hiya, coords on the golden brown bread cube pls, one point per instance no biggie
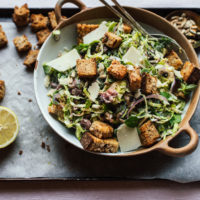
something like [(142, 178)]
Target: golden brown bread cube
[(84, 29), (2, 89), (135, 79), (92, 143), (149, 84), (31, 58), (127, 28), (190, 73), (174, 60), (21, 15), (148, 134), (3, 38), (117, 70), (42, 36), (56, 111), (22, 44), (52, 19), (39, 22), (86, 68), (111, 40), (101, 129)]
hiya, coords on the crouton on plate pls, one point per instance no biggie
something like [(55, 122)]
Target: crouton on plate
[(2, 89), (149, 84), (111, 40), (3, 38), (127, 28), (42, 36), (174, 60), (56, 111), (21, 15), (22, 44), (39, 22), (135, 79), (117, 70), (31, 58), (86, 68), (148, 134), (101, 129), (190, 73), (92, 143)]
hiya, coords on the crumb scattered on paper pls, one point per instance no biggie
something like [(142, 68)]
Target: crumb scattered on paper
[(20, 152), (48, 148), (43, 145)]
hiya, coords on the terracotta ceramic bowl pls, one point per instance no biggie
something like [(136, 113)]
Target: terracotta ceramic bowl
[(152, 23)]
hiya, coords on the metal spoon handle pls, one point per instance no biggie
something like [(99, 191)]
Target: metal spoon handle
[(112, 9), (130, 18)]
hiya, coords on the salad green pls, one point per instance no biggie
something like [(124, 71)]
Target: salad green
[(111, 100)]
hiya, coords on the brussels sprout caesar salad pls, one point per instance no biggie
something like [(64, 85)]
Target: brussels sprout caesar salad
[(117, 88)]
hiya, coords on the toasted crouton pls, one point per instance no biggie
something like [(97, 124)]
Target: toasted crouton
[(2, 89), (190, 73), (21, 15), (3, 38), (149, 84), (56, 111), (174, 60), (42, 36), (135, 79), (39, 22), (117, 70), (92, 143), (84, 29), (86, 68), (101, 129), (111, 40), (52, 19), (22, 44), (31, 58), (127, 28), (148, 134)]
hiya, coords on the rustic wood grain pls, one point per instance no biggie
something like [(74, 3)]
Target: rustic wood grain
[(94, 3)]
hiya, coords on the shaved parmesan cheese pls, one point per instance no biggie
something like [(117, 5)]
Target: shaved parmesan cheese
[(128, 138), (94, 91), (47, 81), (178, 74), (51, 92), (65, 62), (133, 56), (64, 81), (97, 34)]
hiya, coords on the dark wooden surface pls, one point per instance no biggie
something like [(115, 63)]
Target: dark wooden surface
[(98, 190)]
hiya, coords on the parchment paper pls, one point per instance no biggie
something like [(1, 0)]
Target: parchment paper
[(65, 160)]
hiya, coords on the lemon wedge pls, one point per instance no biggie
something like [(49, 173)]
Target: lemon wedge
[(9, 126)]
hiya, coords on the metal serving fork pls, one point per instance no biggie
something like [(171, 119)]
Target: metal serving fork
[(128, 19)]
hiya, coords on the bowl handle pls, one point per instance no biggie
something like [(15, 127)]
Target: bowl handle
[(179, 152), (60, 3)]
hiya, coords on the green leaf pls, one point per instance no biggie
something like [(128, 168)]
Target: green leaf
[(47, 69), (132, 121), (79, 131), (165, 94), (186, 89), (176, 119), (82, 48), (88, 103), (145, 70)]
